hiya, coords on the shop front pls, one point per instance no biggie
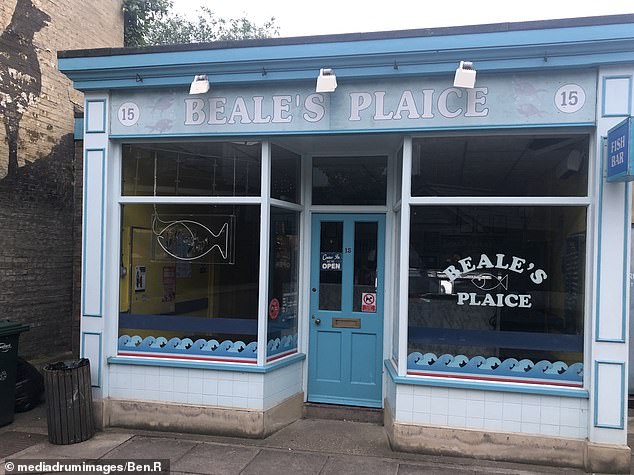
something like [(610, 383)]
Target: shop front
[(451, 255)]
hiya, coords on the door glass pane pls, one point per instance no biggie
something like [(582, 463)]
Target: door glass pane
[(330, 265), (365, 277)]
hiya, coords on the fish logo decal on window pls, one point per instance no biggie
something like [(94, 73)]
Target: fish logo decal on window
[(490, 282)]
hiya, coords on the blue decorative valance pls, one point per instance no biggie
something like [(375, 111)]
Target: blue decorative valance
[(186, 347), (493, 367), (278, 347), (205, 349)]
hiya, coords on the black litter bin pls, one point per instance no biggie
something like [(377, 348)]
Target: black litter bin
[(69, 410), (9, 337)]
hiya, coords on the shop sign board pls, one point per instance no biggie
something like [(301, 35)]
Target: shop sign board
[(620, 153), (410, 103)]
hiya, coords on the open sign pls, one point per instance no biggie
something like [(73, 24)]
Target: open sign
[(330, 261)]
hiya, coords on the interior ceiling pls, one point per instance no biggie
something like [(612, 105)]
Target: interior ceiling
[(318, 145)]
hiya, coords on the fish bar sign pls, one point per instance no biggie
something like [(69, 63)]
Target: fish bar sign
[(619, 153), (490, 274)]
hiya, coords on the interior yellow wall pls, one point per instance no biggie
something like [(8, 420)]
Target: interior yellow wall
[(136, 250)]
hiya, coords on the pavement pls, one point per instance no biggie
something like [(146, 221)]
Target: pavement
[(308, 446)]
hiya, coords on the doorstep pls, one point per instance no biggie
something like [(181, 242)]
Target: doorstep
[(342, 413)]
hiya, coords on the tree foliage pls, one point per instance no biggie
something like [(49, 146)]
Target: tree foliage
[(140, 17), (152, 22)]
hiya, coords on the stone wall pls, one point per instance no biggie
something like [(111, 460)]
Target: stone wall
[(38, 164)]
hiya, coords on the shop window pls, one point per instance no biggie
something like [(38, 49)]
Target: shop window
[(285, 175), (497, 293), (504, 165), (189, 282), (192, 169), (283, 283), (349, 180)]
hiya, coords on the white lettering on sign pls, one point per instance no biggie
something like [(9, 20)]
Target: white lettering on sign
[(501, 261), (617, 154), (4, 347), (488, 281), (419, 105), (449, 103), (330, 266), (497, 300)]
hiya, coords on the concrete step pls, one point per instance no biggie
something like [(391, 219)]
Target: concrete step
[(343, 413)]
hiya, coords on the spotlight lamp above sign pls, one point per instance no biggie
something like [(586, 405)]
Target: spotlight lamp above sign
[(465, 75), (200, 84), (326, 81), (619, 152)]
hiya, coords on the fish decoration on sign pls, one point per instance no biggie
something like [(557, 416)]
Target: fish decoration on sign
[(488, 282)]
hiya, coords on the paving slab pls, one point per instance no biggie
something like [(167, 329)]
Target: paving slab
[(151, 448), (215, 459), (328, 436), (94, 448), (357, 465), (33, 421), (406, 469), (12, 442), (278, 462)]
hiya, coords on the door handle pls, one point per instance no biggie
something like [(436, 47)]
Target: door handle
[(316, 320)]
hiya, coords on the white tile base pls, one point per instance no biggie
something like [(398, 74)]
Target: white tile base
[(494, 411)]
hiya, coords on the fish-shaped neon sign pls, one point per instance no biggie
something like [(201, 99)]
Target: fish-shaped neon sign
[(188, 240)]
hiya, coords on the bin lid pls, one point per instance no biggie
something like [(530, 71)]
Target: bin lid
[(11, 328)]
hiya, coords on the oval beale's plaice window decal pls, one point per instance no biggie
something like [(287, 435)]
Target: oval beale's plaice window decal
[(490, 274)]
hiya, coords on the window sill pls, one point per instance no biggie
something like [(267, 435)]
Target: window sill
[(242, 368), (485, 385)]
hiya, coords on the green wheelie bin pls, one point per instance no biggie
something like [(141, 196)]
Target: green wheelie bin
[(9, 338)]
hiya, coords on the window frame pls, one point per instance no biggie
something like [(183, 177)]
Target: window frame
[(407, 201), (264, 200)]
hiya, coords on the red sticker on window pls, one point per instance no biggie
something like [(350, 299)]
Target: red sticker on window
[(274, 309)]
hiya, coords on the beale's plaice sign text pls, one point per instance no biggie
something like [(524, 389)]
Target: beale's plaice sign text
[(406, 103), (485, 273)]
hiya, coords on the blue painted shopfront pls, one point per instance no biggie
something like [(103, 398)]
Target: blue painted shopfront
[(451, 255)]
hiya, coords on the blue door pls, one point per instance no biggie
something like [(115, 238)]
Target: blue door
[(346, 319)]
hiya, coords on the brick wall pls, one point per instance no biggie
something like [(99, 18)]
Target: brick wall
[(38, 164)]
